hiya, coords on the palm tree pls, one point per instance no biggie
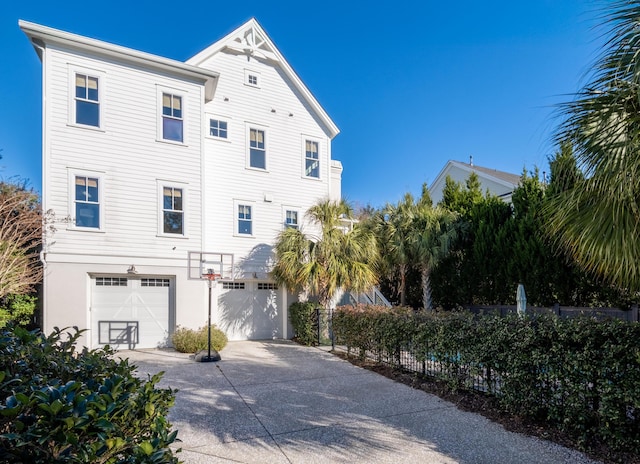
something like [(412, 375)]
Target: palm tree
[(395, 237), (341, 256), (434, 229), (597, 220)]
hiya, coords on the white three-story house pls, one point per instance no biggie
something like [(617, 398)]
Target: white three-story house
[(145, 158)]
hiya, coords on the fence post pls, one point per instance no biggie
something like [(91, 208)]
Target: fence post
[(556, 309), (634, 313), (318, 323)]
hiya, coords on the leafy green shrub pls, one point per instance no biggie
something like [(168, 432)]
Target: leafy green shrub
[(581, 375), (191, 341), (60, 405), (304, 319), (18, 309)]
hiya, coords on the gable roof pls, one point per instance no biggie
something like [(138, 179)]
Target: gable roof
[(507, 180), (250, 39), (501, 177), (41, 35)]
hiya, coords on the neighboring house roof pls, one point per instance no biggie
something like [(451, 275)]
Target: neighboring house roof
[(499, 183), (251, 40), (41, 35)]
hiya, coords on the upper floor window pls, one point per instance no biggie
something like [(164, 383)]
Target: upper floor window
[(257, 149), (218, 128), (172, 117), (87, 100), (245, 220), (172, 211), (87, 201), (311, 159), (251, 78), (291, 219)]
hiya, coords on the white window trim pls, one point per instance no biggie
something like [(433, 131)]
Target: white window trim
[(251, 72), (207, 126), (265, 129), (159, 132), (73, 70), (286, 208), (72, 199), (161, 184), (303, 150), (236, 204)]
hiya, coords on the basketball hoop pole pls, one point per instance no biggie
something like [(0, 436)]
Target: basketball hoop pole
[(200, 357)]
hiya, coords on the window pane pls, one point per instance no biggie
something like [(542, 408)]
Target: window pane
[(87, 113), (88, 215), (92, 93), (92, 190), (167, 198), (257, 159), (81, 86), (81, 188), (173, 222), (244, 227), (312, 168), (177, 199), (172, 129)]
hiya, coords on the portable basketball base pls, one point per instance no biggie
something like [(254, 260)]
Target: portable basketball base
[(212, 267)]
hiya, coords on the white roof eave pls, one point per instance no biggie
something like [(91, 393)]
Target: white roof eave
[(51, 35)]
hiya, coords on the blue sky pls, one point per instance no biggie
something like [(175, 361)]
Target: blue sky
[(410, 84)]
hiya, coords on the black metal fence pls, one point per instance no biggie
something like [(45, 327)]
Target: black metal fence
[(630, 315)]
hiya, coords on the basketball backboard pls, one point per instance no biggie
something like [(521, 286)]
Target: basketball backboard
[(203, 264)]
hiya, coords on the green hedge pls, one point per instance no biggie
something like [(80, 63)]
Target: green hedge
[(304, 319), (580, 375), (62, 405)]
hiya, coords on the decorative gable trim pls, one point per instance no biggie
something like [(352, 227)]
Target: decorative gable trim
[(251, 40)]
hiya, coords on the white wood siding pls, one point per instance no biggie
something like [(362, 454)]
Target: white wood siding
[(282, 184), (126, 153)]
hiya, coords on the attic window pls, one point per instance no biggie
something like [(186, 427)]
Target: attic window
[(251, 78)]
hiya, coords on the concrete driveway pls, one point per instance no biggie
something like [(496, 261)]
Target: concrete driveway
[(278, 402)]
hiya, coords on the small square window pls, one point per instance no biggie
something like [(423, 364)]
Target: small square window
[(172, 211), (245, 221), (218, 128), (252, 78), (172, 117)]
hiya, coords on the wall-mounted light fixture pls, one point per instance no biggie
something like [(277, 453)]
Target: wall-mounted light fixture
[(132, 270)]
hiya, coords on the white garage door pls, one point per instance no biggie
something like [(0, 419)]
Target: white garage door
[(250, 310), (131, 312)]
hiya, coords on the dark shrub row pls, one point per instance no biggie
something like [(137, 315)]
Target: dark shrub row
[(580, 375), (62, 405)]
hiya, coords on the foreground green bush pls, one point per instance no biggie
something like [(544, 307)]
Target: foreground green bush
[(191, 341), (62, 405), (304, 320), (17, 309), (580, 375)]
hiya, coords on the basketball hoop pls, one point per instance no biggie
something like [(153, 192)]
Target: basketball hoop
[(212, 276)]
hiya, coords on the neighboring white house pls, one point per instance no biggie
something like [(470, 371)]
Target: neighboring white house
[(499, 183), (149, 158)]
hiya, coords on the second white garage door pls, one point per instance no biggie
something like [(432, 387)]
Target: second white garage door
[(250, 310), (131, 312)]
